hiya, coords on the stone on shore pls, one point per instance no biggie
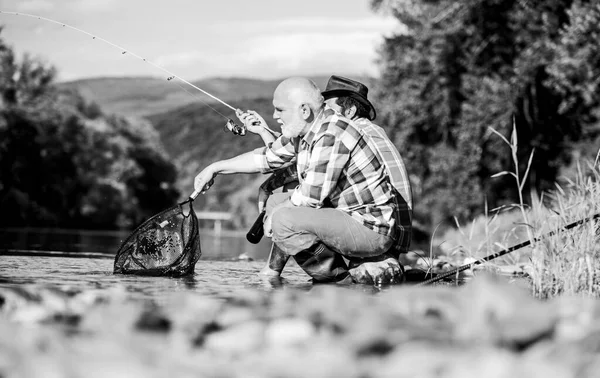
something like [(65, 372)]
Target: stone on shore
[(486, 328)]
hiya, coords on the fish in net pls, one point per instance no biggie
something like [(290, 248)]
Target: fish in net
[(168, 244)]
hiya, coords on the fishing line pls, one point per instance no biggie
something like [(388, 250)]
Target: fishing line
[(125, 51)]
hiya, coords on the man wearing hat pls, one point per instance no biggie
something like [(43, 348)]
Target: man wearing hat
[(349, 97), (344, 205)]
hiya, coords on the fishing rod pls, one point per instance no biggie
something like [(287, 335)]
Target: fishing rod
[(230, 125), (506, 251)]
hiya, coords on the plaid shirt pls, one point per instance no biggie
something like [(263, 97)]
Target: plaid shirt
[(398, 177), (337, 167)]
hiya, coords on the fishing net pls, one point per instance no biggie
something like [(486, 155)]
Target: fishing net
[(168, 244)]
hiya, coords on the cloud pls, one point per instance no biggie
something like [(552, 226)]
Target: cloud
[(85, 6), (329, 25), (274, 56), (305, 51), (179, 59), (93, 6), (265, 49), (39, 30), (32, 6), (301, 46)]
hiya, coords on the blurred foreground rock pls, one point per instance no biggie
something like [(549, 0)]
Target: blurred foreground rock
[(486, 328)]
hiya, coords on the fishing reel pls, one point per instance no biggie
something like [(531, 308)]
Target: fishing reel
[(235, 128)]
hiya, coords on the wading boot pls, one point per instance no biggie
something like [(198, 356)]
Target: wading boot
[(377, 270), (322, 264)]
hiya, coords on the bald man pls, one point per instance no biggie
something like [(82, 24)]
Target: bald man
[(343, 205)]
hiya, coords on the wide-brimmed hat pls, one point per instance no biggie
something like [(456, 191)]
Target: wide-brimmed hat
[(339, 86)]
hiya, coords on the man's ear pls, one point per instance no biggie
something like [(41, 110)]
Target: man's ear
[(306, 111), (350, 112)]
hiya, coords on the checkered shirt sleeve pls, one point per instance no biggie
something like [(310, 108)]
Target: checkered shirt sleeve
[(279, 154)]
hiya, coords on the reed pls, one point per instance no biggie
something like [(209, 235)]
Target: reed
[(501, 227), (519, 181), (569, 262), (565, 263)]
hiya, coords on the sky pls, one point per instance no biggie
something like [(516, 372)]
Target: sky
[(197, 39)]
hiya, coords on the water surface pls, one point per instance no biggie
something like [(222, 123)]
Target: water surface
[(212, 277), (77, 260), (83, 260)]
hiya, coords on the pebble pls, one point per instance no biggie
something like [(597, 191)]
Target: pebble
[(487, 327)]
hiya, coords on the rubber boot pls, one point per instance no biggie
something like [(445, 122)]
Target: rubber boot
[(364, 277), (277, 259), (322, 264)]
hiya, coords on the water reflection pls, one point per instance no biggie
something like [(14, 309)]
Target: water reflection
[(219, 273), (226, 245), (213, 278), (44, 257)]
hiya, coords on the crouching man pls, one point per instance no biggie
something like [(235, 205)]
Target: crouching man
[(344, 207)]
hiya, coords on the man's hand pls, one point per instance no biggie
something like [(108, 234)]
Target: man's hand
[(263, 196), (378, 273), (252, 120), (267, 225), (205, 179)]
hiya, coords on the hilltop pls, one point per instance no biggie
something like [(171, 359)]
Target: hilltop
[(144, 96)]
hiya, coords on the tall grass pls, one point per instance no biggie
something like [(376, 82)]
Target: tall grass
[(505, 227), (569, 262), (519, 181), (565, 263)]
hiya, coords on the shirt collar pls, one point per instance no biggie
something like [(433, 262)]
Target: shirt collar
[(315, 126)]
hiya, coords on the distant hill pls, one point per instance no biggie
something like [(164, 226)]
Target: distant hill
[(193, 134), (143, 96)]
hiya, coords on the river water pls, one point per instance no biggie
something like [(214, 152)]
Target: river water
[(75, 261)]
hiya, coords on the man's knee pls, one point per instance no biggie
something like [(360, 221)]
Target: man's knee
[(282, 223), (275, 199)]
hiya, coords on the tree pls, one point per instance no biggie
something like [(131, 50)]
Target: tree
[(64, 163), (464, 67)]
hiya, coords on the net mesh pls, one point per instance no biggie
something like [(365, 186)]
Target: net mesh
[(168, 244)]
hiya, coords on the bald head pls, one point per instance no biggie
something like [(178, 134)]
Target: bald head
[(297, 101), (300, 90)]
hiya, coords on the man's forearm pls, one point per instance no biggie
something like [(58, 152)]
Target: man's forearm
[(243, 163), (267, 136)]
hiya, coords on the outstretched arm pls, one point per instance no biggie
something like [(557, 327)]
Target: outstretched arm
[(244, 163)]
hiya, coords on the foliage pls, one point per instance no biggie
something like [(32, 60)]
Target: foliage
[(65, 164), (464, 67), (568, 262), (560, 261)]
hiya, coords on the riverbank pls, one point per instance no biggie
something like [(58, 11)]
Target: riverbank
[(486, 328)]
